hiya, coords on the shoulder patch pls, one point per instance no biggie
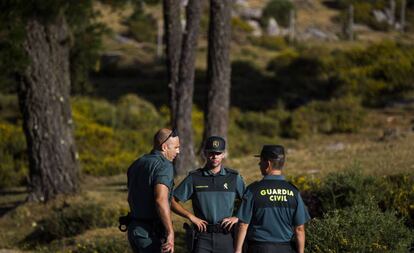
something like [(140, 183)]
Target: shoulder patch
[(231, 171)]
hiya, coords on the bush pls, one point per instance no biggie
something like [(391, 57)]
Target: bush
[(143, 27), (259, 123), (379, 73), (269, 42), (123, 132), (346, 189), (336, 116), (134, 112), (75, 218), (13, 157), (396, 193), (361, 228), (279, 10)]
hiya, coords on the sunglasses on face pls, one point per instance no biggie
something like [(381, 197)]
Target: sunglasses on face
[(174, 133)]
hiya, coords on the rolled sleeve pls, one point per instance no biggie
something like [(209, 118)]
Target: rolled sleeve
[(246, 208), (184, 190), (164, 175), (301, 215)]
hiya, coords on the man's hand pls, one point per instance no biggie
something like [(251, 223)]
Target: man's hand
[(199, 223), (229, 222), (168, 246)]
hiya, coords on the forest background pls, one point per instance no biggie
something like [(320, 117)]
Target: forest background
[(341, 102)]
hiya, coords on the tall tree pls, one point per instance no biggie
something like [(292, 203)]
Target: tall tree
[(44, 88), (181, 79), (219, 69), (173, 37)]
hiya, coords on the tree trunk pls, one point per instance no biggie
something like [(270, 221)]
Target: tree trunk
[(185, 87), (44, 90), (402, 15), (350, 27), (219, 70), (173, 36)]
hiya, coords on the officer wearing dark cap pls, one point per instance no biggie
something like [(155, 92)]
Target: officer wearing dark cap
[(272, 212), (213, 190)]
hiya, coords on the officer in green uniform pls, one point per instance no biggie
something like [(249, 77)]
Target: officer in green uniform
[(272, 212), (213, 190), (150, 185)]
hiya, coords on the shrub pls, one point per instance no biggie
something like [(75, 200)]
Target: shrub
[(97, 110), (346, 189), (279, 10), (336, 116), (143, 27), (74, 218), (14, 164), (269, 42), (259, 123), (284, 59), (361, 228), (378, 73), (396, 193), (134, 112)]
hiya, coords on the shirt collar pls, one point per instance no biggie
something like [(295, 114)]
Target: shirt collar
[(274, 177), (159, 153), (207, 172)]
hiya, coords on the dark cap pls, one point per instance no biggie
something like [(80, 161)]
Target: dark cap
[(215, 144), (272, 152)]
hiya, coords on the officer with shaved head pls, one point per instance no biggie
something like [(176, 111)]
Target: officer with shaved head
[(150, 186)]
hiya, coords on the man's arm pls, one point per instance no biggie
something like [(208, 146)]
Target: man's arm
[(163, 208), (180, 210), (300, 238), (241, 234)]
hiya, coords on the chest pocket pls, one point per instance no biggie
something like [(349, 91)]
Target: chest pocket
[(226, 183)]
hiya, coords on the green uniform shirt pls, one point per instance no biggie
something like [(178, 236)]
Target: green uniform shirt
[(272, 207), (143, 175), (212, 195)]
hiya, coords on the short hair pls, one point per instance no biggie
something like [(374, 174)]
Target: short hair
[(277, 164), (161, 137)]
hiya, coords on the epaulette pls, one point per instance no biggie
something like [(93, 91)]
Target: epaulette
[(232, 171)]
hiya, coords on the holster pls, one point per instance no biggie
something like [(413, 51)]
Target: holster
[(190, 236), (124, 221)]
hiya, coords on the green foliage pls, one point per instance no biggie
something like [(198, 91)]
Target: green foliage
[(134, 112), (123, 131), (361, 228), (380, 73), (279, 10), (396, 192), (142, 26), (269, 42), (13, 166), (74, 218), (9, 108), (103, 244), (284, 59), (240, 30), (336, 116), (265, 124), (345, 189)]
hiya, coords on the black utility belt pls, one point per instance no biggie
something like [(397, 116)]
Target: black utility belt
[(215, 228), (250, 242)]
